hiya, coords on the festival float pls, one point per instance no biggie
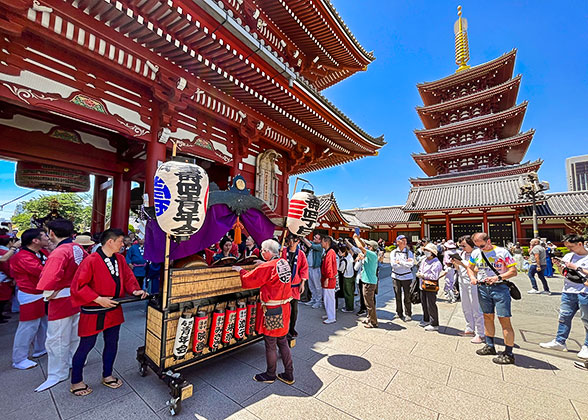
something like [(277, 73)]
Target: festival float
[(202, 310)]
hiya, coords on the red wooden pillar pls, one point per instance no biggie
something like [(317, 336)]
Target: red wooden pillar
[(423, 221), (121, 203), (285, 192), (156, 152), (447, 227), (98, 204), (485, 226), (519, 228)]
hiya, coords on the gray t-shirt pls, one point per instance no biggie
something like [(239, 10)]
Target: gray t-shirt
[(538, 249)]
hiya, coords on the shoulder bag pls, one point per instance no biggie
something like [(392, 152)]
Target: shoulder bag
[(515, 293)]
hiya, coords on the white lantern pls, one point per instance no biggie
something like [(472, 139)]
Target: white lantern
[(180, 195), (183, 334), (302, 213)]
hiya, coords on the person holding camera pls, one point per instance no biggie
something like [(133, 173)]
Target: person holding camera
[(574, 297)]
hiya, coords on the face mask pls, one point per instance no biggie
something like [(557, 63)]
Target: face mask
[(428, 253)]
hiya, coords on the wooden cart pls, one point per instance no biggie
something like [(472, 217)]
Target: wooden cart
[(188, 290)]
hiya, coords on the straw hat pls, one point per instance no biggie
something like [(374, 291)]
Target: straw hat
[(83, 240), (432, 248), (450, 244)]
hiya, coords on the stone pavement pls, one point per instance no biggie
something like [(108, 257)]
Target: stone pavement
[(343, 371)]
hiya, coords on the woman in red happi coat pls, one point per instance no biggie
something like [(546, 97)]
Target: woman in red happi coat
[(102, 276), (329, 274), (275, 293)]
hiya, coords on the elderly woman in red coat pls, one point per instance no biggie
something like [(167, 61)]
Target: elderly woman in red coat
[(273, 277)]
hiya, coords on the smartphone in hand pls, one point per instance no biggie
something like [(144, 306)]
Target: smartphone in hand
[(357, 231)]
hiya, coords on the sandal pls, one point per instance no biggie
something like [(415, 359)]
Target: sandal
[(114, 384), (81, 392), (368, 325)]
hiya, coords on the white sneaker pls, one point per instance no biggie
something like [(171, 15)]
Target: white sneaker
[(431, 328), (406, 318), (346, 310), (583, 354), (554, 345), (25, 364), (533, 292), (546, 292), (423, 324), (41, 354), (329, 321)]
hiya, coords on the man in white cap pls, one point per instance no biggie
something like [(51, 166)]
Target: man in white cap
[(402, 261)]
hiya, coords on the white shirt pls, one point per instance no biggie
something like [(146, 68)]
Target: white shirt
[(401, 266), (580, 261), (346, 266)]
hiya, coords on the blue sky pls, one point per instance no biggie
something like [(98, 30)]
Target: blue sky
[(413, 42)]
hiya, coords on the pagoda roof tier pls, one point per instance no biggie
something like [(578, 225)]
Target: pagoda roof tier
[(477, 174), (502, 69), (320, 32), (223, 62), (479, 193), (505, 93), (510, 122), (517, 148)]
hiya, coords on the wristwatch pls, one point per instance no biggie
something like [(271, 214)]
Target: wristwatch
[(499, 277)]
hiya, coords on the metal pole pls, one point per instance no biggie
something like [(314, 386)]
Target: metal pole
[(535, 227), (167, 247)]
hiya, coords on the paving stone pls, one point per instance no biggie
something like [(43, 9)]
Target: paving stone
[(365, 402), (129, 406), (280, 401), (38, 410), (437, 397), (18, 389)]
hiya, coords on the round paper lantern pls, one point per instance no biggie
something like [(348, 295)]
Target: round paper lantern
[(40, 176), (180, 195), (302, 213)]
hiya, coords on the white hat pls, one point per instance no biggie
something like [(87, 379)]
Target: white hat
[(432, 248), (450, 244)]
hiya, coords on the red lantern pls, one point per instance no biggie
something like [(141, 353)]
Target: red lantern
[(200, 332), (251, 315), (216, 328), (229, 324), (302, 213), (240, 321)]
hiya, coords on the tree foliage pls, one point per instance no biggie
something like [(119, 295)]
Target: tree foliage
[(75, 207)]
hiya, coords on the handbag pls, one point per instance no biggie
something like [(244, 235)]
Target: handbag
[(415, 293), (515, 293), (573, 275), (430, 285)]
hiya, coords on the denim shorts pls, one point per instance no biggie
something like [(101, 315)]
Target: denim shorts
[(495, 296)]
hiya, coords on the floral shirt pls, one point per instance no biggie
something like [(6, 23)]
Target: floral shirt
[(499, 257)]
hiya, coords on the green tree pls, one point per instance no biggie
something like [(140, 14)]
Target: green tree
[(74, 207)]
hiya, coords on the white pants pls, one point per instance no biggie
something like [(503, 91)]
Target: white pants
[(314, 284), (29, 332), (449, 283), (329, 301), (62, 342), (519, 260), (471, 308)]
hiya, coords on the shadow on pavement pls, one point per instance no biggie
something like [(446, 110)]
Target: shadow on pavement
[(349, 362)]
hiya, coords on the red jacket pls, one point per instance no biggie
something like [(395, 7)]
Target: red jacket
[(274, 280), (25, 269), (59, 271), (329, 271), (6, 287), (93, 279), (301, 271)]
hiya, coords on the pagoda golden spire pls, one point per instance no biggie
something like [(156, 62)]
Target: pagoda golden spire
[(462, 49)]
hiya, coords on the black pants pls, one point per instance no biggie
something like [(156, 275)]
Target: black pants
[(293, 316), (271, 356), (430, 311), (402, 287)]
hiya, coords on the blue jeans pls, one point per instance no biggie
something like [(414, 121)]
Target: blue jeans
[(541, 274), (495, 297), (570, 303)]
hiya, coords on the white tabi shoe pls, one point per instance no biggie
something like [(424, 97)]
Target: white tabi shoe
[(24, 365)]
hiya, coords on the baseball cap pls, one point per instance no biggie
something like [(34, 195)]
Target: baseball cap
[(399, 237)]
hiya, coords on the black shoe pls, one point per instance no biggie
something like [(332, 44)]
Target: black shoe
[(361, 313), (486, 351), (504, 359), (285, 378), (264, 377)]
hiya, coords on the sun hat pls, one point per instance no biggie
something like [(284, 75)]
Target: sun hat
[(371, 243), (432, 248), (83, 240), (450, 244)]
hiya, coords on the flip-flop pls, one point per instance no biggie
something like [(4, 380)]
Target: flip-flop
[(76, 391), (115, 384), (370, 326)]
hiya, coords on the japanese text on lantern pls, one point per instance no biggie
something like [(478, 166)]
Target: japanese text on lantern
[(185, 331), (161, 196), (308, 217), (189, 201)]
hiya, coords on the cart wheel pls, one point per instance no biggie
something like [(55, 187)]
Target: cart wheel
[(143, 369), (174, 406)]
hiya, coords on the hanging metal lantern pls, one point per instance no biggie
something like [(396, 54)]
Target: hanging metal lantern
[(180, 196), (302, 213)]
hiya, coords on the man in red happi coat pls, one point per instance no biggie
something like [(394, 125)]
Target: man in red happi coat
[(25, 268), (62, 328), (102, 276), (273, 278), (299, 268), (329, 274)]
